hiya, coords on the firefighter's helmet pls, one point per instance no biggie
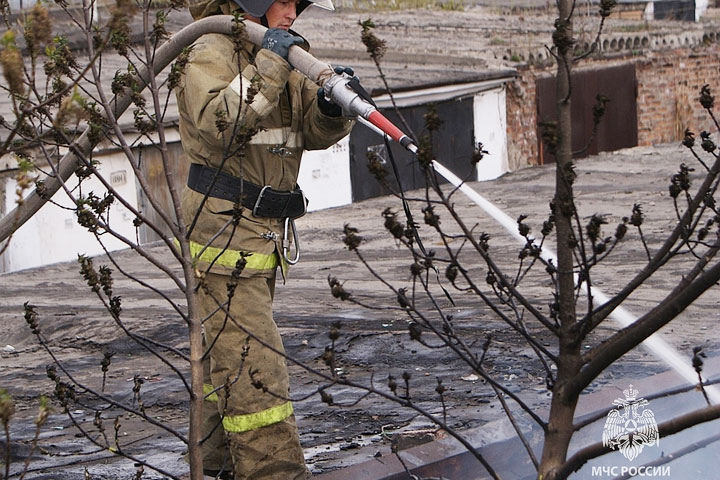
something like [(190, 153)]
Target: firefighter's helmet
[(258, 8)]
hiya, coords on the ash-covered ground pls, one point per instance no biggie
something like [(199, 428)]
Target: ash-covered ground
[(373, 343)]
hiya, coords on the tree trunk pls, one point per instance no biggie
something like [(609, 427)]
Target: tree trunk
[(195, 427), (562, 409)]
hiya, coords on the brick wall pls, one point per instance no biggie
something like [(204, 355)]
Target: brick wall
[(668, 89), (669, 84), (522, 121)]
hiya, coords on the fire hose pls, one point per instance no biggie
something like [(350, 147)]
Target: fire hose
[(355, 101)]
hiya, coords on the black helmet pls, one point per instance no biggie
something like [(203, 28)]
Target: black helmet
[(258, 8)]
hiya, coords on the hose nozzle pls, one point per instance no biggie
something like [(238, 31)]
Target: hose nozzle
[(354, 100)]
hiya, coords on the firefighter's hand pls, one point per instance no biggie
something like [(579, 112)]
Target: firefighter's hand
[(325, 103), (327, 106), (279, 41)]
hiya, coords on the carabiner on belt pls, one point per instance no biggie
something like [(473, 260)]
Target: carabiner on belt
[(290, 223)]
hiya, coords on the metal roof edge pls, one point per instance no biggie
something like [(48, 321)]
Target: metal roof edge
[(356, 55), (411, 98), (505, 74)]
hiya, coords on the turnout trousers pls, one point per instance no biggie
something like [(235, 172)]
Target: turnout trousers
[(248, 418)]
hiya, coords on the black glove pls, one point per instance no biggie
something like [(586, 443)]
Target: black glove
[(326, 106), (279, 41)]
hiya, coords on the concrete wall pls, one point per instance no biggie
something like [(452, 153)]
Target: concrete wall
[(700, 7), (53, 234), (325, 176)]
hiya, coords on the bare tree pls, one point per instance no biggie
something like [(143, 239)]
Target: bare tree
[(61, 112), (576, 309), (61, 116)]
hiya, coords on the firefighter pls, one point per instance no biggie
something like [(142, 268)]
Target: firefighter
[(226, 96)]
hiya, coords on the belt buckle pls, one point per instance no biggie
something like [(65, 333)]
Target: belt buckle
[(259, 199), (280, 151)]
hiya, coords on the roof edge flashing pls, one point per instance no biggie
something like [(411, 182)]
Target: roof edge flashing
[(438, 94)]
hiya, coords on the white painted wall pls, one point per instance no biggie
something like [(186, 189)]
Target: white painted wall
[(53, 235), (325, 176), (490, 119), (700, 7), (649, 13)]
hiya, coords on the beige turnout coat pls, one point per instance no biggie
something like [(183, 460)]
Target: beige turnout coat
[(213, 91)]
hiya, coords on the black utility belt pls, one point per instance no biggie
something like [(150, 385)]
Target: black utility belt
[(263, 201)]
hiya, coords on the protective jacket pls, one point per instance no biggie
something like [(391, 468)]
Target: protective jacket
[(223, 92)]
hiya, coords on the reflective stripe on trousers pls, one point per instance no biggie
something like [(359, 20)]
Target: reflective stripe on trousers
[(254, 421), (250, 421)]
